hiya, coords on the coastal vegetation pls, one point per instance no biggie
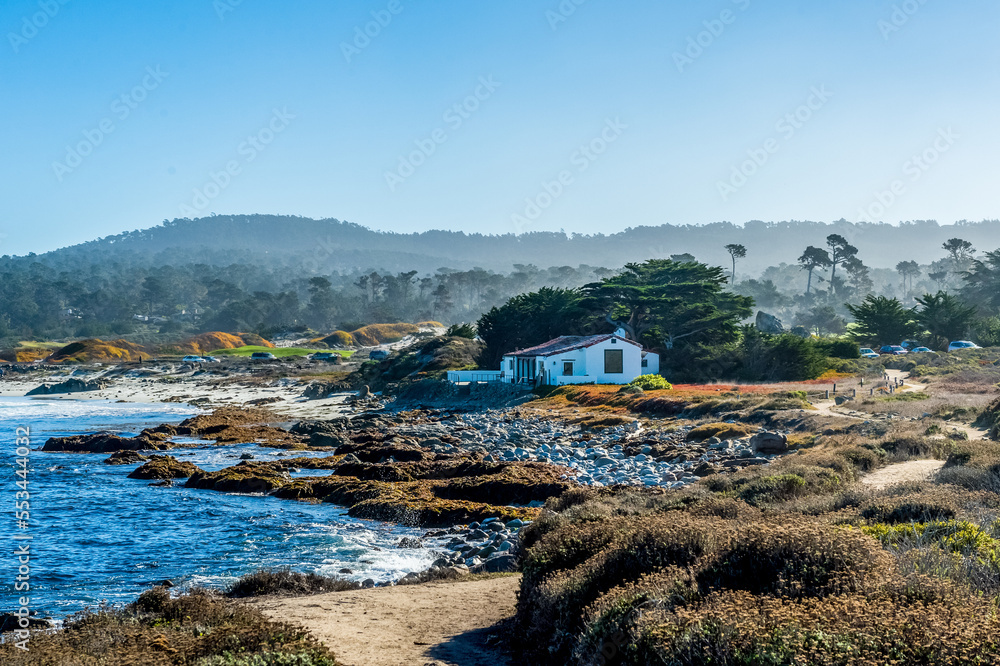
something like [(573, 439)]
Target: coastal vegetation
[(200, 627)]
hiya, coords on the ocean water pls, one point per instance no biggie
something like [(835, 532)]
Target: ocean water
[(97, 536)]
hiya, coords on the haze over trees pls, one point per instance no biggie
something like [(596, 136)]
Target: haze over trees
[(269, 275)]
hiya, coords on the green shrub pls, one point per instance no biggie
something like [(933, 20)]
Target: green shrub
[(651, 383)]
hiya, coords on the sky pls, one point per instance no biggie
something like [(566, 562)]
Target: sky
[(587, 116)]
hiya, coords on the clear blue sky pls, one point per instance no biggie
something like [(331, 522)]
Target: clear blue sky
[(891, 87)]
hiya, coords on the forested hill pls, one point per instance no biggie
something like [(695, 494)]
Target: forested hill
[(323, 246)]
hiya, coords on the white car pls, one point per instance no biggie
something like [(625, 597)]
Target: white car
[(962, 344), (868, 353), (192, 359)]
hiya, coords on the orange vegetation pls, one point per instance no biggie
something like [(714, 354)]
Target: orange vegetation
[(206, 342), (338, 338), (96, 350), (377, 334)]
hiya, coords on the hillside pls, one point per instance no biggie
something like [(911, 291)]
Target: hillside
[(320, 246)]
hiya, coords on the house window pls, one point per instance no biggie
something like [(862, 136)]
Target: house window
[(645, 362), (512, 366), (613, 362), (567, 368)]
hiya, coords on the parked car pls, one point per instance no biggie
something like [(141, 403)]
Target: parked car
[(378, 355), (923, 350), (323, 356), (193, 359), (211, 359), (892, 350), (868, 353), (962, 344), (262, 356)]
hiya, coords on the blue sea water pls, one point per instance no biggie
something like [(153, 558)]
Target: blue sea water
[(98, 536)]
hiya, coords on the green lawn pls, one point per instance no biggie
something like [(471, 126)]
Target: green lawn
[(280, 352)]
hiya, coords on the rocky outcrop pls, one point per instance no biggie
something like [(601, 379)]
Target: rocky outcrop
[(72, 385), (245, 477), (125, 458), (768, 323), (164, 467), (106, 442)]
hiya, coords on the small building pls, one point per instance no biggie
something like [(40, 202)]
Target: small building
[(576, 359)]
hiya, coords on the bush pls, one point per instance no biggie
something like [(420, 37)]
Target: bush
[(651, 383), (287, 583)]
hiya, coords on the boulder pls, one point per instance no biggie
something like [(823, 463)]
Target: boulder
[(769, 442), (768, 323), (841, 399), (331, 439), (801, 331), (164, 467), (410, 542), (72, 385), (497, 564)]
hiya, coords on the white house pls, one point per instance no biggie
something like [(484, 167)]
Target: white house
[(575, 359)]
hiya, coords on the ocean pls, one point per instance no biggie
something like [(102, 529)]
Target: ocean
[(98, 537)]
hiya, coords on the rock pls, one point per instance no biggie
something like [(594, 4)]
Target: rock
[(72, 385), (705, 469), (364, 392), (106, 442), (841, 399), (801, 331), (164, 467), (368, 582), (331, 439), (410, 542), (166, 583), (769, 442), (497, 564), (517, 523), (245, 477), (768, 323), (348, 571), (11, 622), (169, 483), (126, 457), (247, 456)]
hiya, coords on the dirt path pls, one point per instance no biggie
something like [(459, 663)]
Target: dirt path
[(434, 623), (829, 407), (912, 470)]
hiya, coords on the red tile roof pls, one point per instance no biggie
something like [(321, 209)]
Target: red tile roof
[(567, 343)]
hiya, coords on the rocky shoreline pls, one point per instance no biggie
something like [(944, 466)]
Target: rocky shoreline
[(475, 478)]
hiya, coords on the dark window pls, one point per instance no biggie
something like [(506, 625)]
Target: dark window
[(613, 363), (645, 362), (567, 368)]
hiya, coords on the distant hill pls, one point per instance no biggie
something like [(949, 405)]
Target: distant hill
[(317, 247)]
